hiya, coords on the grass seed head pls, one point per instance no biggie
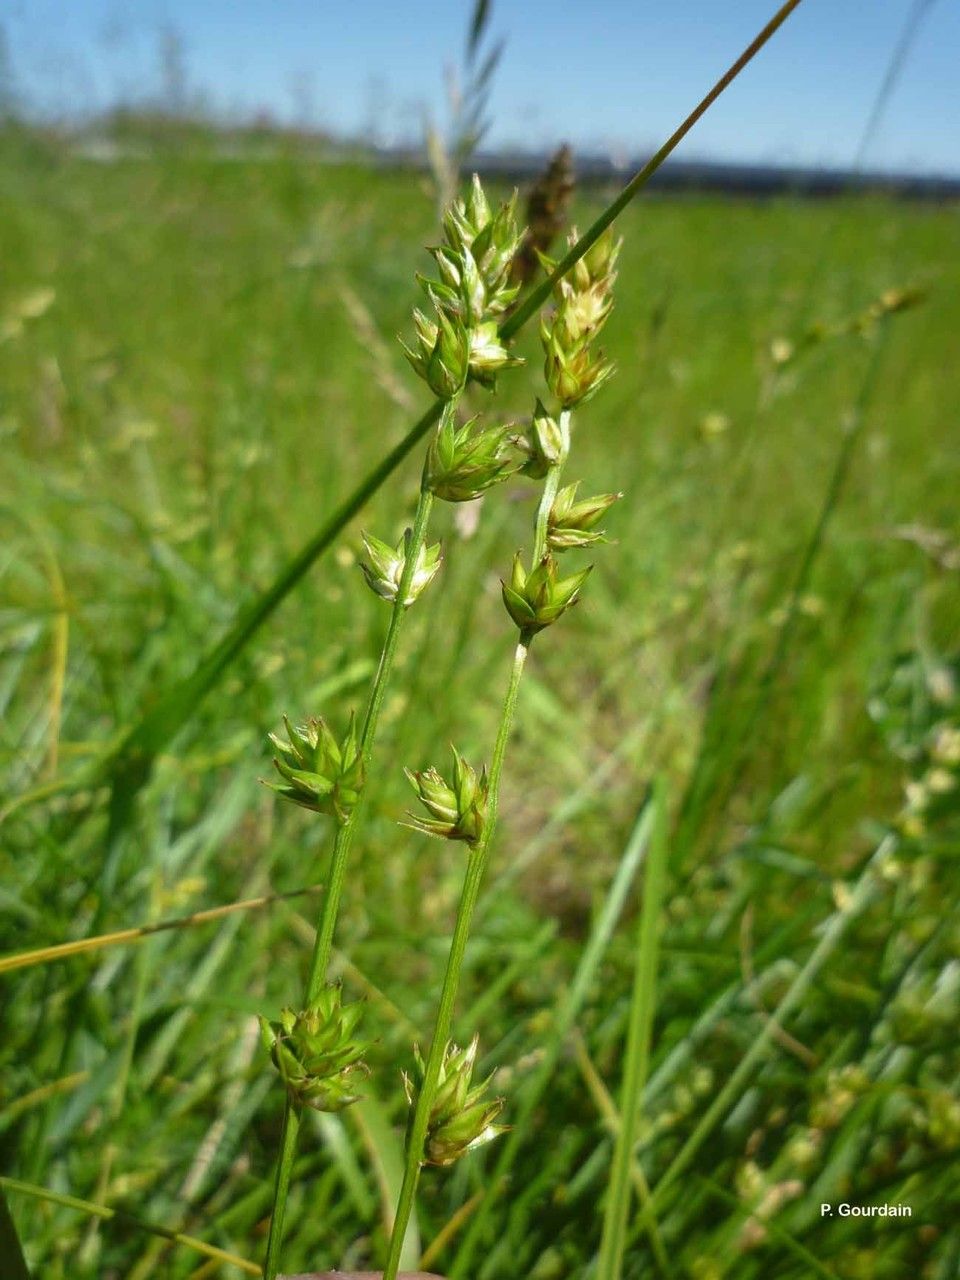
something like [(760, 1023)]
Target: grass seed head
[(384, 566), (473, 288), (457, 809), (463, 462), (572, 524), (536, 600), (571, 371), (317, 771), (461, 1117), (316, 1053), (584, 299)]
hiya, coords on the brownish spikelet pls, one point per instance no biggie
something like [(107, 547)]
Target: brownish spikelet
[(547, 206)]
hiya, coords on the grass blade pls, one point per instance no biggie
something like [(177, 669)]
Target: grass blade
[(640, 1023), (10, 1243), (107, 1214), (862, 895), (82, 946), (385, 1153), (569, 1007)]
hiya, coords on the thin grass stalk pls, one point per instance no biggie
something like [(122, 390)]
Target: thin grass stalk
[(550, 486), (639, 1028), (451, 981), (323, 945), (476, 867), (607, 1109), (10, 1246), (120, 937), (568, 1008), (107, 1214)]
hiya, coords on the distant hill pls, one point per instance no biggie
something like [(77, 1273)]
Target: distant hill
[(705, 175), (122, 134)]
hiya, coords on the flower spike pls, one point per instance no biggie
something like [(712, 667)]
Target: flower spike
[(463, 462), (536, 600), (318, 772), (461, 1119), (384, 567), (571, 372), (457, 810), (571, 523), (472, 290), (315, 1053), (583, 303)]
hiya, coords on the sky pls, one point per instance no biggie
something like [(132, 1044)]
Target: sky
[(611, 75)]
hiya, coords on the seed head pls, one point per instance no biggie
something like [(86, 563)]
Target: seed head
[(318, 772), (487, 355), (473, 288), (318, 1059), (457, 809), (441, 356), (463, 462), (595, 271), (461, 290), (461, 1119), (572, 524), (572, 373), (597, 267), (490, 241), (546, 443), (583, 314), (384, 567), (546, 213), (467, 216), (583, 303), (536, 600)]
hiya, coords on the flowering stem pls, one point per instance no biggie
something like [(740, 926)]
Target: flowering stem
[(451, 980), (476, 866), (323, 944)]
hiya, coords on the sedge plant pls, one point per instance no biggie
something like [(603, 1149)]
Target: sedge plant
[(451, 1116), (315, 1049), (461, 341)]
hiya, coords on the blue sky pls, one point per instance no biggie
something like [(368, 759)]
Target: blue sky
[(609, 73)]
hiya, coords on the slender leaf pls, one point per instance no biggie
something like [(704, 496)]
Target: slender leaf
[(640, 1024)]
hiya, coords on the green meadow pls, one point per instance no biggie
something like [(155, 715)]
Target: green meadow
[(198, 362)]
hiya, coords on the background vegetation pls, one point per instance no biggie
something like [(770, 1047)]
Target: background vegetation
[(197, 361)]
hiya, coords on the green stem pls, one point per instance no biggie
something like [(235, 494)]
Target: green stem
[(451, 981), (476, 867), (323, 944), (550, 486)]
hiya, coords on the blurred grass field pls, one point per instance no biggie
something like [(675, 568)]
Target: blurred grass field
[(197, 361)]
